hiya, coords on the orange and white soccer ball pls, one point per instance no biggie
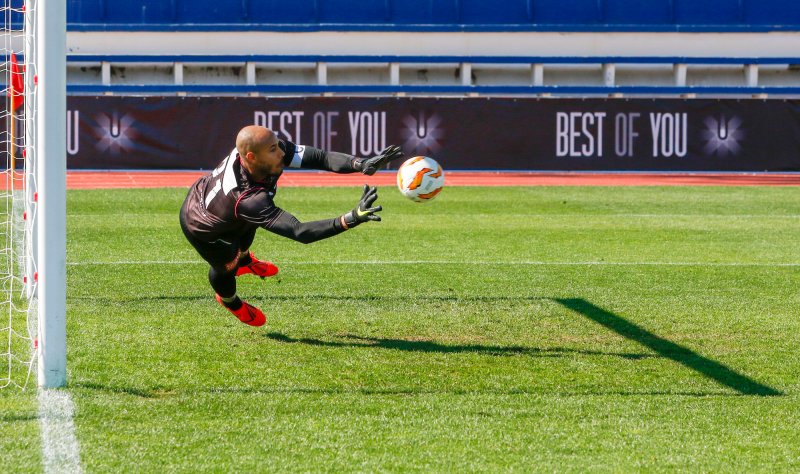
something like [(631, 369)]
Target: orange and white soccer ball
[(420, 178)]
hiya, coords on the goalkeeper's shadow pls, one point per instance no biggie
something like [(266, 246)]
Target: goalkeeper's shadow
[(690, 359), (354, 341)]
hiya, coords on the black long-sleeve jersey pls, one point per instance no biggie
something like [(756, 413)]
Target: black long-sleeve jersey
[(227, 203)]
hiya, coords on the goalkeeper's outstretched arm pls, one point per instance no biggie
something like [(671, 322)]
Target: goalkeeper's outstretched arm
[(314, 158), (276, 220)]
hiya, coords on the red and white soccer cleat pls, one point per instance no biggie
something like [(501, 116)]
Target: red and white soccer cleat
[(247, 314), (258, 267)]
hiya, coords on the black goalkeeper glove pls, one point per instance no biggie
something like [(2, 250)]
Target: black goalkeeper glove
[(364, 211), (369, 166)]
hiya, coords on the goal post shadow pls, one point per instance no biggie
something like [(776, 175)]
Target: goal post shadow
[(670, 350)]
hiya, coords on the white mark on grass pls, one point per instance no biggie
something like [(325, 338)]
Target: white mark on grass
[(59, 444), (626, 216), (170, 215), (461, 262)]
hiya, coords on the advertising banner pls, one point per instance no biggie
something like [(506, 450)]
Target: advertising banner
[(109, 132)]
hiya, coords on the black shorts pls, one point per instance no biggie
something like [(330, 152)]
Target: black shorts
[(222, 253)]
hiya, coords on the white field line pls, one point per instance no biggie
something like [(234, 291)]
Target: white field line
[(59, 445), (459, 262), (482, 215)]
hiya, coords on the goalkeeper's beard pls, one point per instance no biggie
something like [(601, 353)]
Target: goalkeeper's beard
[(268, 175)]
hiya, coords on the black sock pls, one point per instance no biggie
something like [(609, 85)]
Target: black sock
[(234, 305), (245, 260), (224, 284)]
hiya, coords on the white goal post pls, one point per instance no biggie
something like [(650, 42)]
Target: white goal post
[(51, 180)]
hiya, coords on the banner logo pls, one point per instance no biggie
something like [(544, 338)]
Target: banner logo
[(422, 133), (114, 133), (723, 137)]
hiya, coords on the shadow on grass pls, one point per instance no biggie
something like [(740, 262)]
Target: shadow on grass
[(137, 392), (144, 299), (14, 417), (430, 346), (155, 394), (682, 355)]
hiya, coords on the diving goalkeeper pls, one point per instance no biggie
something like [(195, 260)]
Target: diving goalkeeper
[(225, 207)]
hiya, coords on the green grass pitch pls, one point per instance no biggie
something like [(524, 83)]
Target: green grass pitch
[(494, 330)]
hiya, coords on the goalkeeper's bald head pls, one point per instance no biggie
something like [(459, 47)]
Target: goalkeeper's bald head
[(253, 138)]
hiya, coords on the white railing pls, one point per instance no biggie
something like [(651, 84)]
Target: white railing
[(381, 74)]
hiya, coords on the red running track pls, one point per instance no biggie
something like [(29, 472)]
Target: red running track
[(183, 179)]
